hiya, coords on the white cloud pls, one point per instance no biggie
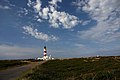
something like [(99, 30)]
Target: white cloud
[(80, 3), (62, 18), (14, 52), (38, 5), (103, 32), (54, 3), (44, 14), (22, 11), (4, 7), (39, 20), (86, 22), (107, 15), (38, 35), (55, 17)]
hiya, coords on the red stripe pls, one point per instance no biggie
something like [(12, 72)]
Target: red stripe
[(45, 51)]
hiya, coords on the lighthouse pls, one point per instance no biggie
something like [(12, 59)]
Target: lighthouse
[(45, 57), (45, 51)]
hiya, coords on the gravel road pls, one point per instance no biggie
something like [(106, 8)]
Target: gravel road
[(13, 73)]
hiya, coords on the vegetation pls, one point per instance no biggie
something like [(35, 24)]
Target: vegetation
[(92, 68), (11, 63)]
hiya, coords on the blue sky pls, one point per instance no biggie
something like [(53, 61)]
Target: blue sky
[(69, 28)]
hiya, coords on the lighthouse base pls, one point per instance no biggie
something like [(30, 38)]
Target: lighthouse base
[(45, 58)]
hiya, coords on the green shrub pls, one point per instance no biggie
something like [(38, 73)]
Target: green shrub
[(10, 63), (104, 68)]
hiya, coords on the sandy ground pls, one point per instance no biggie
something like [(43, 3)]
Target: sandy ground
[(13, 73)]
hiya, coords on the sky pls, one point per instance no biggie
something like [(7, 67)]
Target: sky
[(69, 28)]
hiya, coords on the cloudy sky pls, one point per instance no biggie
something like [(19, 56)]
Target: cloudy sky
[(69, 28)]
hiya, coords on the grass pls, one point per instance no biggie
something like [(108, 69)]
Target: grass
[(102, 68), (4, 64)]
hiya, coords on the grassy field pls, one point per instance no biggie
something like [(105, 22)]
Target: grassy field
[(4, 64), (94, 68)]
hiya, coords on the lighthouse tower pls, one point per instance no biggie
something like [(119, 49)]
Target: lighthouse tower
[(45, 57), (45, 51)]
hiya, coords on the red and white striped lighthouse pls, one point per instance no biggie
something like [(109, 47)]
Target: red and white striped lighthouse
[(45, 51)]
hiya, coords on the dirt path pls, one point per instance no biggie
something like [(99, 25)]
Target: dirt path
[(13, 73)]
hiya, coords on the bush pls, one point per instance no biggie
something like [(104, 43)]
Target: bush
[(104, 68), (10, 63)]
